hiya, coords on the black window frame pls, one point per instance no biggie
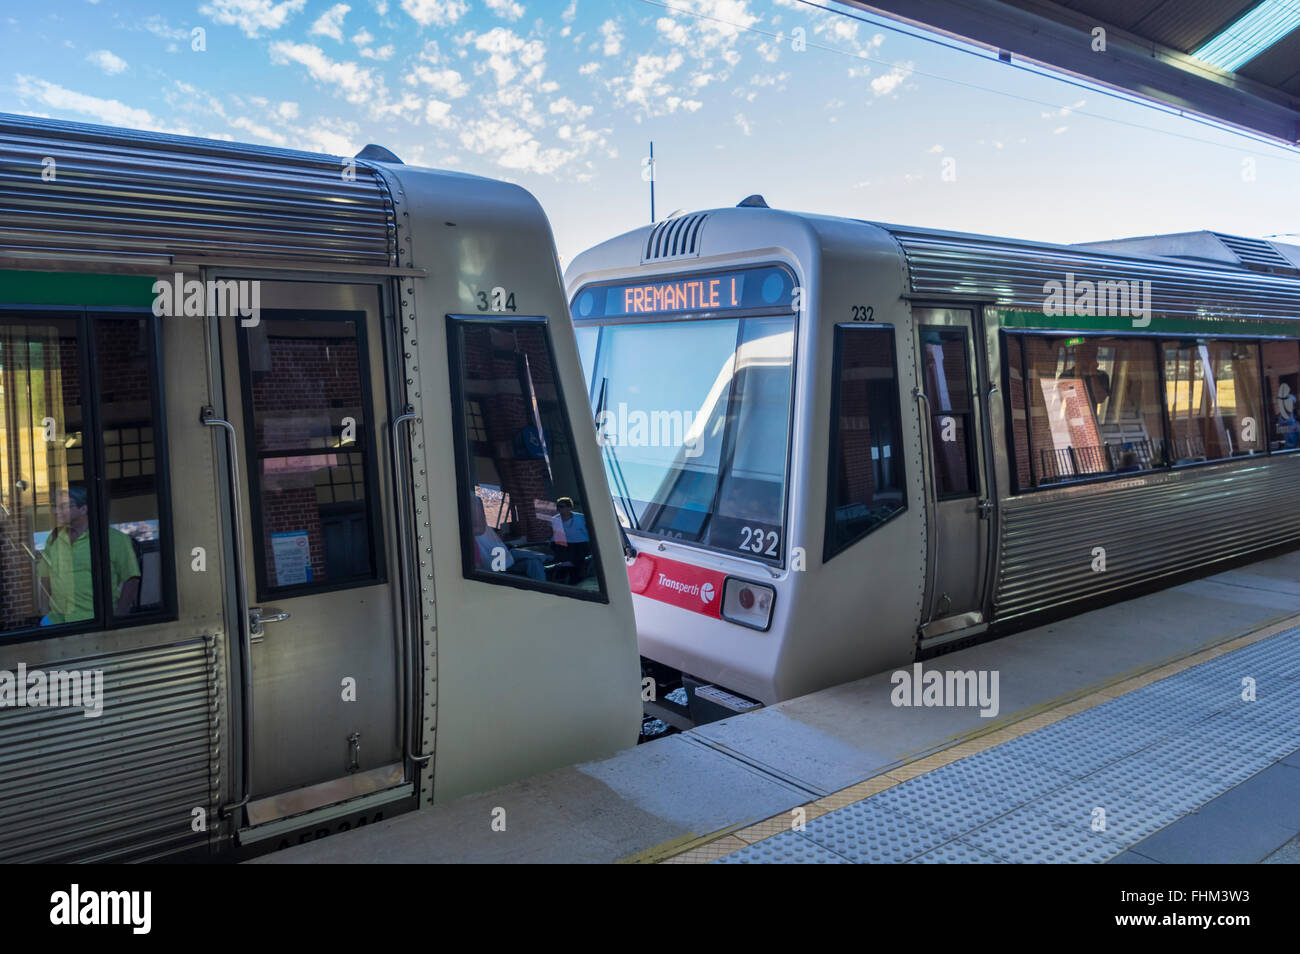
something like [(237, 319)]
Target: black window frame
[(970, 415), (1157, 339), (104, 620), (830, 549), (253, 457), (464, 485), (1268, 409)]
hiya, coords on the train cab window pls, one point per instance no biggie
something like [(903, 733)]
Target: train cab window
[(1092, 407), (1212, 391), (1282, 390), (947, 386), (310, 450), (694, 419), (866, 484), (82, 526), (524, 511)]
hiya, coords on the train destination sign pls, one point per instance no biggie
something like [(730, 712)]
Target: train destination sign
[(734, 290)]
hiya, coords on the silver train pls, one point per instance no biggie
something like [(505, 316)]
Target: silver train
[(285, 442), (839, 446)]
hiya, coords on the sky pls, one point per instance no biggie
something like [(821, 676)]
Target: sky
[(813, 109)]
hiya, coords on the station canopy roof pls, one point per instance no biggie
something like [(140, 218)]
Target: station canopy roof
[(1233, 61)]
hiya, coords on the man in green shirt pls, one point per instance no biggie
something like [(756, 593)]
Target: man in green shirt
[(67, 583)]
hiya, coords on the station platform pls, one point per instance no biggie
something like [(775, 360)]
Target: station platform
[(1161, 729)]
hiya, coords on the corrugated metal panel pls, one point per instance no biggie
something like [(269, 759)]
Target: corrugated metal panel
[(131, 194), (1150, 528), (1015, 275), (122, 786), (675, 238), (1255, 252)]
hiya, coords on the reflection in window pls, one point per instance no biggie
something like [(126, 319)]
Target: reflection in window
[(69, 554), (866, 472), (524, 515), (127, 412), (1212, 391), (947, 386), (311, 444), (1282, 388), (1093, 407), (694, 419)]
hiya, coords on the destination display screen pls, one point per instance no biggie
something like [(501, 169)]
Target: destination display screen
[(709, 292)]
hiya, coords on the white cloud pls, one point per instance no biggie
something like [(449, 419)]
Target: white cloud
[(381, 54), (613, 38), (935, 148), (506, 9), (356, 83), (438, 12), (362, 37), (884, 85), (330, 23), (109, 111), (106, 61), (586, 69), (570, 12), (288, 110), (447, 82), (743, 123), (436, 113), (252, 16), (568, 108), (508, 54)]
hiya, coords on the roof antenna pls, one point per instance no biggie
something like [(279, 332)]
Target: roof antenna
[(649, 173), (754, 201)]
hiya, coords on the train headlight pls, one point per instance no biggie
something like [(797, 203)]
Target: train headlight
[(746, 603)]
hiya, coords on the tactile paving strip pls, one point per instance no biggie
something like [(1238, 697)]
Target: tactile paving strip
[(1083, 789), (787, 848)]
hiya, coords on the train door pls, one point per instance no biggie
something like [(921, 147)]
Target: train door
[(305, 394), (957, 472)]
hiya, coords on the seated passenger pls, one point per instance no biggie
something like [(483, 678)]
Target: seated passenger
[(570, 542), (491, 553)]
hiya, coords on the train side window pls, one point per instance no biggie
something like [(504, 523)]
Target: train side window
[(127, 410), (1093, 408), (1282, 383), (82, 528), (945, 365), (311, 451), (1212, 393), (1021, 451), (524, 511), (866, 481)]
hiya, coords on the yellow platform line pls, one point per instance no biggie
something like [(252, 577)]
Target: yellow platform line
[(702, 849)]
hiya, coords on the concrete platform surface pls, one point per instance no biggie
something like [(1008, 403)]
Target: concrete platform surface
[(663, 798)]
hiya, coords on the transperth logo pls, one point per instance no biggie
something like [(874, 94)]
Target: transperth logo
[(706, 593)]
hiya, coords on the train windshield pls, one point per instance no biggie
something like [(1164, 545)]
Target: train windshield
[(694, 421)]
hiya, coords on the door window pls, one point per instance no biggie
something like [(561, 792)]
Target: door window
[(947, 386), (311, 451)]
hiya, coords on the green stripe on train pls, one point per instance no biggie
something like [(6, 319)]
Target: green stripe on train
[(75, 288), (1208, 325)]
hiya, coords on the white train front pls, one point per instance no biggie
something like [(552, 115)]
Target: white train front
[(838, 446)]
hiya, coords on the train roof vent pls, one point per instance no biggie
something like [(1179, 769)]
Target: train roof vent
[(675, 238), (1255, 253)]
